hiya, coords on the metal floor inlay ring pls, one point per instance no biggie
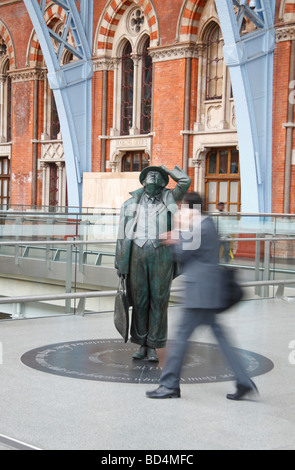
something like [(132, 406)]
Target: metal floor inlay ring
[(110, 360)]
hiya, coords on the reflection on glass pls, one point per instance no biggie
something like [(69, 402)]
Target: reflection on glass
[(223, 191), (223, 161), (145, 161), (211, 207), (136, 162), (234, 191), (212, 163), (234, 164), (212, 191), (127, 164)]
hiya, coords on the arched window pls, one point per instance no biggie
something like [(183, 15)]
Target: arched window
[(5, 128), (8, 109), (132, 91), (6, 104), (136, 88), (54, 120), (127, 90), (146, 92), (215, 64)]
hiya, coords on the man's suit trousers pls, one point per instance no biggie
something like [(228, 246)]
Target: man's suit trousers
[(191, 319)]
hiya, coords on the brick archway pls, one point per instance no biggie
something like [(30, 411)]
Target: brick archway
[(188, 25), (34, 52), (4, 33), (287, 11), (111, 17)]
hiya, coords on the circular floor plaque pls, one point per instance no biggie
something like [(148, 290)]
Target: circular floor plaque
[(110, 360)]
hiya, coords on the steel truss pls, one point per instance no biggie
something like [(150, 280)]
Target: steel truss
[(249, 57), (71, 83)]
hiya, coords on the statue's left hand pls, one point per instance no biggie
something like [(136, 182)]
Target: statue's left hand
[(170, 172)]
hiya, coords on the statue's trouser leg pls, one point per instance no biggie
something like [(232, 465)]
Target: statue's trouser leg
[(151, 273)]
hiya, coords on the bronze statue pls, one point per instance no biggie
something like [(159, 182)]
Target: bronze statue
[(143, 260)]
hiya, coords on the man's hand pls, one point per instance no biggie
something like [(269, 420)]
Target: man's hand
[(170, 238)]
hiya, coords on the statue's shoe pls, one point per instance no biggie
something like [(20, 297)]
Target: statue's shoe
[(141, 353)]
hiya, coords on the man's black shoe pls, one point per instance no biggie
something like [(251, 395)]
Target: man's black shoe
[(164, 392), (242, 391)]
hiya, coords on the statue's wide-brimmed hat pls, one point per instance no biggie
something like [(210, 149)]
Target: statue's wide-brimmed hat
[(153, 168)]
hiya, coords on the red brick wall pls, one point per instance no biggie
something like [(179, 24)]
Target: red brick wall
[(40, 130), (16, 18), (97, 91), (22, 134), (96, 120), (168, 14), (280, 104), (168, 112)]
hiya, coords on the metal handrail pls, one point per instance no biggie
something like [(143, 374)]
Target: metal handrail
[(56, 242), (111, 293), (270, 238), (79, 210), (69, 295)]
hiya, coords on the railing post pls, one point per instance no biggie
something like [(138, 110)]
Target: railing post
[(81, 307), (47, 256), (257, 265), (69, 266), (81, 258), (18, 310), (17, 229), (266, 271)]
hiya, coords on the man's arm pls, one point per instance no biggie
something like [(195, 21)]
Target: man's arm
[(182, 179)]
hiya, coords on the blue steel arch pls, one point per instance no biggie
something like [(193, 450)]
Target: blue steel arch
[(71, 83), (250, 61)]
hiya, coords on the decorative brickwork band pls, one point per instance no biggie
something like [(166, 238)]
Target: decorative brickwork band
[(287, 11), (111, 18), (188, 28), (4, 33)]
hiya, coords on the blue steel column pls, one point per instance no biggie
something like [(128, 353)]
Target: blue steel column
[(71, 84), (250, 61)]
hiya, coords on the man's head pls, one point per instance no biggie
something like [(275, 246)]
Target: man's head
[(154, 179), (194, 201)]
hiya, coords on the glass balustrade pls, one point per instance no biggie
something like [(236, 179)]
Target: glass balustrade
[(55, 253)]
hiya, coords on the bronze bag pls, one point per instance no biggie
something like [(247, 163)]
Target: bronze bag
[(121, 311)]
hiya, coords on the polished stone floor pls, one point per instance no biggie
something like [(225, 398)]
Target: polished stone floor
[(51, 406)]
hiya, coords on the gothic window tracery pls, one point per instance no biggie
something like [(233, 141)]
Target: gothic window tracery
[(215, 64), (127, 90), (5, 126)]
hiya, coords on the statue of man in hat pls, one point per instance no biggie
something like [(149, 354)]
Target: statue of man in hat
[(143, 261)]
